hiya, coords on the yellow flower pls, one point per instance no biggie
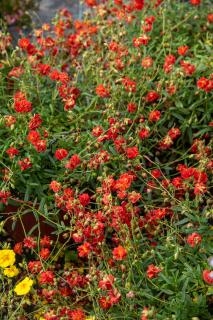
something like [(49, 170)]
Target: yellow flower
[(23, 287), (11, 272), (90, 318), (7, 258)]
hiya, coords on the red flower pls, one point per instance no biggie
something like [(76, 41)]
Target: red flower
[(165, 143), (65, 291), (124, 182), (84, 199), (208, 276), (35, 266), (182, 50), (45, 242), (210, 17), (35, 122), (165, 183), (200, 176), (50, 315), (78, 314), (199, 188), (29, 242), (60, 154), (177, 182), (73, 162), (120, 143), (154, 115), (171, 89), (19, 95), (43, 69), (23, 106), (147, 62), (174, 133), (4, 195), (97, 131), (24, 43), (188, 68), (107, 282), (68, 193), (101, 91), (9, 120), (134, 197), (113, 46), (118, 2), (186, 173), (119, 253), (156, 173), (44, 253), (25, 164), (147, 27), (152, 96), (150, 19), (144, 133), (84, 250), (105, 303), (12, 152), (194, 239), (16, 72), (55, 186), (195, 2), (138, 4), (204, 84), (91, 3), (41, 145), (45, 133), (132, 152), (129, 84), (170, 59), (132, 107), (46, 277), (115, 296), (18, 248), (33, 136), (145, 314), (151, 185), (54, 75), (142, 40), (152, 271)]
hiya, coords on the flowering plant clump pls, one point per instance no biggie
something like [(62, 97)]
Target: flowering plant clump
[(106, 141)]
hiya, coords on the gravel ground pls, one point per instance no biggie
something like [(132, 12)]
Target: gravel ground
[(48, 9)]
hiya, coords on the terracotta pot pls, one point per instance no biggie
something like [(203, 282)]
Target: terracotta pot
[(19, 228)]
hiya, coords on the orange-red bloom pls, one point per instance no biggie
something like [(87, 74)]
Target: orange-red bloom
[(194, 239), (119, 253), (102, 92), (152, 271), (60, 154), (208, 276)]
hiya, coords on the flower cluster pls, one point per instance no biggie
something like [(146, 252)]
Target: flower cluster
[(105, 164)]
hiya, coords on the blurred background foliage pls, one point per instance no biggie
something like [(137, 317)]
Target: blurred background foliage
[(16, 12)]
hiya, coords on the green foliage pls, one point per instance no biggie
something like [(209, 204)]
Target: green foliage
[(130, 214)]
